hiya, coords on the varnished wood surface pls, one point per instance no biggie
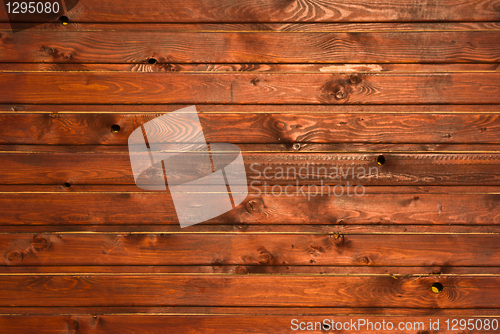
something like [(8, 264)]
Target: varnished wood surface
[(104, 205), (133, 323), (316, 270), (278, 11), (213, 319), (270, 128), (195, 88), (249, 249), (231, 290), (136, 44), (214, 310), (294, 83), (264, 169), (167, 67)]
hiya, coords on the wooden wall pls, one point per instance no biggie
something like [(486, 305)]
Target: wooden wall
[(292, 83)]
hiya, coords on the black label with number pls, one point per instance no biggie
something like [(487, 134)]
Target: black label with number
[(27, 14)]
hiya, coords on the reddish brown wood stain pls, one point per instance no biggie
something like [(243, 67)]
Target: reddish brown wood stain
[(410, 89)]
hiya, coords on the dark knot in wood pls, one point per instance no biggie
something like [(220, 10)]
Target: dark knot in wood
[(338, 239), (14, 257), (340, 94), (253, 206), (354, 79), (39, 243)]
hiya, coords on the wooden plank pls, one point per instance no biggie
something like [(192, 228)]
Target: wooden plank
[(73, 206), (232, 290), (283, 147), (266, 169), (251, 109), (264, 26), (211, 310), (266, 128), (259, 68), (394, 272), (113, 188), (194, 88), (324, 228), (277, 11), (138, 45), (144, 323), (249, 249)]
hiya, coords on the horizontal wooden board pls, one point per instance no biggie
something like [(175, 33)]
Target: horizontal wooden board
[(77, 205), (114, 188), (267, 128), (408, 26), (220, 324), (291, 147), (214, 310), (194, 88), (251, 68), (250, 109), (112, 45), (325, 228), (284, 147), (321, 271), (231, 290), (265, 169), (278, 11), (249, 249)]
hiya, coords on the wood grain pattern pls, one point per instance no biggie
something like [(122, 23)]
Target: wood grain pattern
[(278, 11), (284, 147), (235, 227), (138, 45), (68, 206), (232, 290), (266, 169), (250, 68), (154, 88), (251, 109), (249, 249), (296, 84), (268, 128), (322, 271), (215, 310), (266, 26), (271, 324)]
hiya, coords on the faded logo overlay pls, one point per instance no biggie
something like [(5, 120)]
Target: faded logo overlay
[(204, 180), (28, 14)]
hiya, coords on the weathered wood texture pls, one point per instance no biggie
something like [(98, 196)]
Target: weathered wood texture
[(265, 169), (217, 324), (232, 290), (76, 205), (267, 128), (250, 249), (278, 11), (296, 84), (278, 88), (217, 310), (321, 271), (347, 44), (251, 68)]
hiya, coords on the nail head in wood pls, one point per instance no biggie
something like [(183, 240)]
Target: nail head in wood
[(64, 20), (437, 287)]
